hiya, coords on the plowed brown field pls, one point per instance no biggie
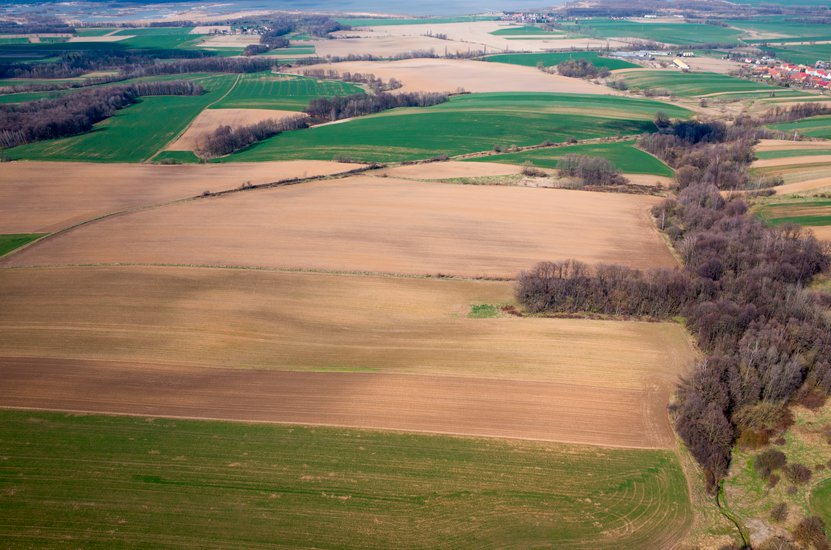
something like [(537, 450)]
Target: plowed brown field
[(373, 224), (448, 75), (37, 197), (381, 352)]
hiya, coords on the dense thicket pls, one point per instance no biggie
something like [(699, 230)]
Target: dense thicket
[(225, 139), (340, 107), (742, 293), (590, 170), (571, 286), (708, 153), (580, 68), (76, 113)]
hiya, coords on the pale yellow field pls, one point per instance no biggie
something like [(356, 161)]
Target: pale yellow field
[(378, 352), (210, 119), (230, 41), (373, 224), (449, 75), (47, 196), (474, 35)]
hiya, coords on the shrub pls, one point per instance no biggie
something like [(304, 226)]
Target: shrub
[(591, 170), (779, 513), (797, 473), (811, 532), (768, 461)]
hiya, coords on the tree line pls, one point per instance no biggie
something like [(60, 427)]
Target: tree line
[(377, 85), (743, 294), (226, 139), (76, 113), (339, 107)]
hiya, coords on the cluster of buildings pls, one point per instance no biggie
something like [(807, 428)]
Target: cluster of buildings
[(650, 54), (817, 76)]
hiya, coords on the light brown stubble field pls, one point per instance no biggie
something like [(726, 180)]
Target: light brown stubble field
[(386, 352), (371, 224), (448, 75), (40, 197)]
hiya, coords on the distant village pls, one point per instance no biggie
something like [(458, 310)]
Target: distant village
[(817, 76)]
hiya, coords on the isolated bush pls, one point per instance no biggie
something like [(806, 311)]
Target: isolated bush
[(768, 461), (532, 171), (796, 473), (811, 532), (591, 170)]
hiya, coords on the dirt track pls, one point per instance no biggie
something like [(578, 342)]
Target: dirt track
[(46, 196), (480, 407), (365, 223)]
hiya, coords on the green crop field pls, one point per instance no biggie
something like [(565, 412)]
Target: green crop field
[(782, 30), (94, 31), (379, 22), (625, 156), (793, 153), (806, 212), (102, 482), (465, 124), (288, 92), (670, 33), (549, 59), (690, 84), (10, 242), (160, 38), (806, 54), (818, 127), (821, 501), (28, 96), (527, 30), (176, 157), (134, 134)]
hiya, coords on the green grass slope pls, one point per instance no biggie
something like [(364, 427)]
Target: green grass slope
[(818, 127), (549, 59), (691, 84), (103, 482), (465, 124), (134, 134), (670, 33), (625, 156), (286, 92)]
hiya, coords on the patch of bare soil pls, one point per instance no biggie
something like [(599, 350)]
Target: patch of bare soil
[(366, 223), (38, 197), (450, 75)]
